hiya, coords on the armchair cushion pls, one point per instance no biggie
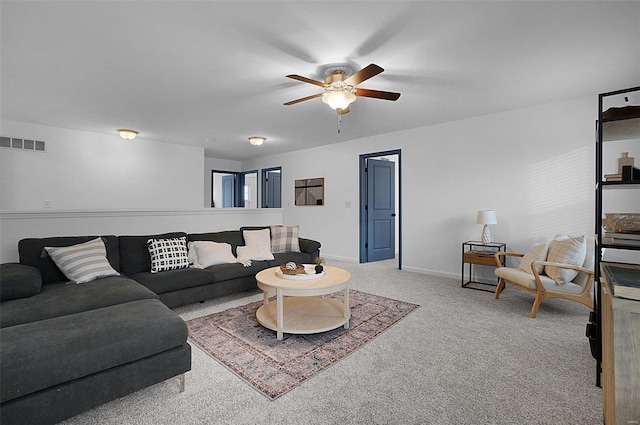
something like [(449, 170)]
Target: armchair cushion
[(567, 251), (538, 252), (527, 280)]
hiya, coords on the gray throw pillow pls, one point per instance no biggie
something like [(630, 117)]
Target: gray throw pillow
[(19, 281)]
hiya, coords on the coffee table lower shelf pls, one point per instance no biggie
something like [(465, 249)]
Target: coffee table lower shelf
[(305, 315)]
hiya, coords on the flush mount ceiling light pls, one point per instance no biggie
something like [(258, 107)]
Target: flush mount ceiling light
[(127, 134), (257, 140)]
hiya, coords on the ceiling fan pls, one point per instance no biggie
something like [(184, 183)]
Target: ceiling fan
[(340, 87)]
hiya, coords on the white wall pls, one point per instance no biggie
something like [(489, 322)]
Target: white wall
[(19, 225), (219, 165), (84, 170), (534, 166)]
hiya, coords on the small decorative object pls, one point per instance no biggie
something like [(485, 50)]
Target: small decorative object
[(319, 261), (309, 191), (292, 268), (624, 159), (486, 217), (622, 222)]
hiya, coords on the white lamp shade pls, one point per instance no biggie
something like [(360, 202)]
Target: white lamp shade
[(338, 99), (486, 217)]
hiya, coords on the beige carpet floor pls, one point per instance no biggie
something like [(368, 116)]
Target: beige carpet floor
[(461, 358)]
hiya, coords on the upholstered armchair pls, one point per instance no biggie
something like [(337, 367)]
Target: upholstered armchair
[(562, 268)]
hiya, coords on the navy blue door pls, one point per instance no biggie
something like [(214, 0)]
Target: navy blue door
[(274, 190), (381, 210), (227, 191)]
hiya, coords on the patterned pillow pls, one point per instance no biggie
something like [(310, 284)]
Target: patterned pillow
[(567, 251), (83, 262), (284, 239), (168, 254)]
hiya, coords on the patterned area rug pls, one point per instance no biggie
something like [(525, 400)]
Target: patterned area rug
[(235, 339)]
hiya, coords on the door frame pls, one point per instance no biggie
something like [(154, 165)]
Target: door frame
[(363, 201)]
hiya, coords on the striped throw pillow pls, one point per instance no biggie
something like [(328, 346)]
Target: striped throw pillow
[(168, 254), (568, 251), (83, 262), (284, 239)]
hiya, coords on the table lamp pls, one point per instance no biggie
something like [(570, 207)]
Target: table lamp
[(486, 217)]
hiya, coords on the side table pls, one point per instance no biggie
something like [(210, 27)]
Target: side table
[(478, 253)]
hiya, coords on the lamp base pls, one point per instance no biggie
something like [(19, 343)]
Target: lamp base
[(486, 234)]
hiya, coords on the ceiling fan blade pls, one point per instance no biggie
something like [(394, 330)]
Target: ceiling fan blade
[(364, 74), (386, 95), (306, 80), (302, 99)]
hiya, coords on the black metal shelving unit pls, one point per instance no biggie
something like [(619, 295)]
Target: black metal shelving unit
[(605, 125)]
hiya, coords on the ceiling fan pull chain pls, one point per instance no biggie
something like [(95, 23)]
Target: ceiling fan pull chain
[(339, 119)]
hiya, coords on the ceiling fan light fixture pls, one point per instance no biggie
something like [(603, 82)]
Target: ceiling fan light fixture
[(339, 99), (257, 140), (127, 134)]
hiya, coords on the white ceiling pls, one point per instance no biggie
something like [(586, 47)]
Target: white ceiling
[(212, 73)]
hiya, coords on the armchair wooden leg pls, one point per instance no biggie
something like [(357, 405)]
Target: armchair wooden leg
[(499, 289), (536, 306)]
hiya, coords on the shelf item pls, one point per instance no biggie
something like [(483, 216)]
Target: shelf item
[(625, 281), (481, 254)]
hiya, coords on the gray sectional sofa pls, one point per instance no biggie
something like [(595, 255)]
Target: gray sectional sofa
[(66, 348)]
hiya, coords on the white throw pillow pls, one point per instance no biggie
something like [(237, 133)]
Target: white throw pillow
[(83, 262), (168, 254), (203, 254), (252, 253), (567, 251), (257, 245), (538, 252), (284, 239)]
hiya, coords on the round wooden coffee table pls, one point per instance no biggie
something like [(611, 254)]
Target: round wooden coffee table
[(300, 307)]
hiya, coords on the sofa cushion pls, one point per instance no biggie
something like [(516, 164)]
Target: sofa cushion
[(31, 250), (284, 239), (83, 262), (134, 255), (43, 354), (224, 272), (19, 281), (232, 237), (203, 254), (168, 254), (173, 280), (59, 299), (296, 257)]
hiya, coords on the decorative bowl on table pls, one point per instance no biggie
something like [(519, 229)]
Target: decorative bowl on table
[(292, 268), (621, 222)]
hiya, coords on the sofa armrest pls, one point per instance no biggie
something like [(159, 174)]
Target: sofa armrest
[(19, 281), (310, 246)]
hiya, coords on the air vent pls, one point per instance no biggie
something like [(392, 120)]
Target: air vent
[(24, 144)]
